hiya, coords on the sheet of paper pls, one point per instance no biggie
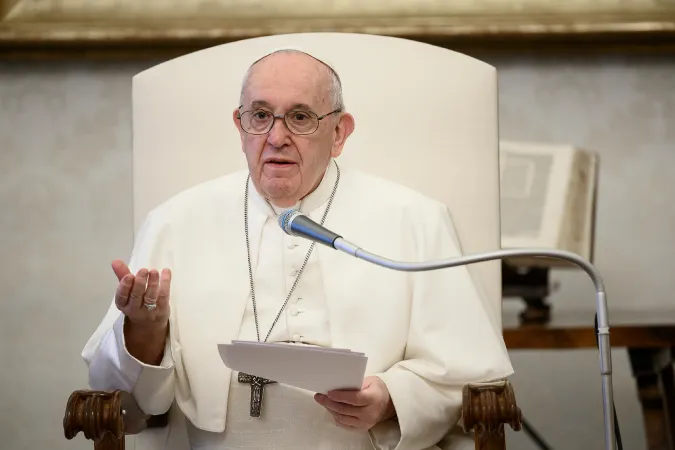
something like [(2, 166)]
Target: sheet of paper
[(308, 348), (315, 369)]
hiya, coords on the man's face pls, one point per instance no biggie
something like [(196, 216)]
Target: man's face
[(285, 167)]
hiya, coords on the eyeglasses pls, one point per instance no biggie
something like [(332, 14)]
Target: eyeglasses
[(260, 121)]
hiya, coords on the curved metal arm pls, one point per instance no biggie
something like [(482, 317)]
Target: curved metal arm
[(601, 303)]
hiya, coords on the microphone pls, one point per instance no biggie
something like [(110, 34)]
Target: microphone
[(294, 223)]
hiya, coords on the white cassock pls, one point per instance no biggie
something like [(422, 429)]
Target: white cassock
[(426, 334)]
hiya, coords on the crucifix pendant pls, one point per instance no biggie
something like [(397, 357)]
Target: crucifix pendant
[(257, 387)]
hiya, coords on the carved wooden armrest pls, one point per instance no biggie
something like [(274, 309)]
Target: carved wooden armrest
[(486, 408), (106, 417)]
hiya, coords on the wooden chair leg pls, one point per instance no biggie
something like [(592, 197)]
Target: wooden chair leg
[(655, 379), (103, 417), (486, 408), (109, 442)]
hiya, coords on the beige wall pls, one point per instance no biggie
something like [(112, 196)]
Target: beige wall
[(65, 193)]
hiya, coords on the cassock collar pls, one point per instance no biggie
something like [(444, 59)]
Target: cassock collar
[(318, 197)]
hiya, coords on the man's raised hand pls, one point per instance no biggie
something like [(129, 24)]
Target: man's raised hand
[(145, 328), (144, 297)]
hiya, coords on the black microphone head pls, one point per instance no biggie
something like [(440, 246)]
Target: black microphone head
[(286, 218)]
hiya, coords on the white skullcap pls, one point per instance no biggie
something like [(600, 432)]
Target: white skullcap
[(299, 49), (336, 91)]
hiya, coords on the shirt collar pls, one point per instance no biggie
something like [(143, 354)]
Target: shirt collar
[(315, 199)]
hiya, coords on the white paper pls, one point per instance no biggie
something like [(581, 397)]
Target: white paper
[(316, 369)]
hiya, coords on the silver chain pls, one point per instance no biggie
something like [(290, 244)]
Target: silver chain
[(302, 269)]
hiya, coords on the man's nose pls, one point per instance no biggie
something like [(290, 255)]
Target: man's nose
[(279, 134)]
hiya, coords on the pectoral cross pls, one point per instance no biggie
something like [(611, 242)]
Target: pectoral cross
[(257, 387)]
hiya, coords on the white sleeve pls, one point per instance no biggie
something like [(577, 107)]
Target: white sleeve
[(110, 364), (452, 341), (112, 367)]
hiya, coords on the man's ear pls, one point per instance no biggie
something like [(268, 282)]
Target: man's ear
[(235, 118), (237, 123), (343, 129)]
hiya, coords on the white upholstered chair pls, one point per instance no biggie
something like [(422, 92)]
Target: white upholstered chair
[(425, 117)]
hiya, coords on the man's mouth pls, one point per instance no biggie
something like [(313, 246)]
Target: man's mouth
[(280, 162)]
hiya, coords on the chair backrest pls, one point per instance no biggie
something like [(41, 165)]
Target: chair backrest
[(426, 117)]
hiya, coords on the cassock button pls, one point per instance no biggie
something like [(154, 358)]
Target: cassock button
[(294, 273), (291, 245), (296, 337), (294, 312)]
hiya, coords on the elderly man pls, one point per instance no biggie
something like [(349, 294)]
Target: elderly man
[(211, 265)]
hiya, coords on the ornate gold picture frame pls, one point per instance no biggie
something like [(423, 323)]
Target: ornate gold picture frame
[(81, 28)]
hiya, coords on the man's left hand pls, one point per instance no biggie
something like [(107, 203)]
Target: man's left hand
[(359, 409)]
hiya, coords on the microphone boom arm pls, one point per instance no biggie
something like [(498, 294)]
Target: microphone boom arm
[(295, 223), (601, 302)]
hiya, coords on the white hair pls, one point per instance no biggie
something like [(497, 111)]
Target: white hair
[(334, 88)]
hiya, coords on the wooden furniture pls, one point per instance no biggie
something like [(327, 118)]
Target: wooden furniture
[(106, 417), (649, 337)]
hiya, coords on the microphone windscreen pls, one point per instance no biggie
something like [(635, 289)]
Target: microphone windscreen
[(285, 218)]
